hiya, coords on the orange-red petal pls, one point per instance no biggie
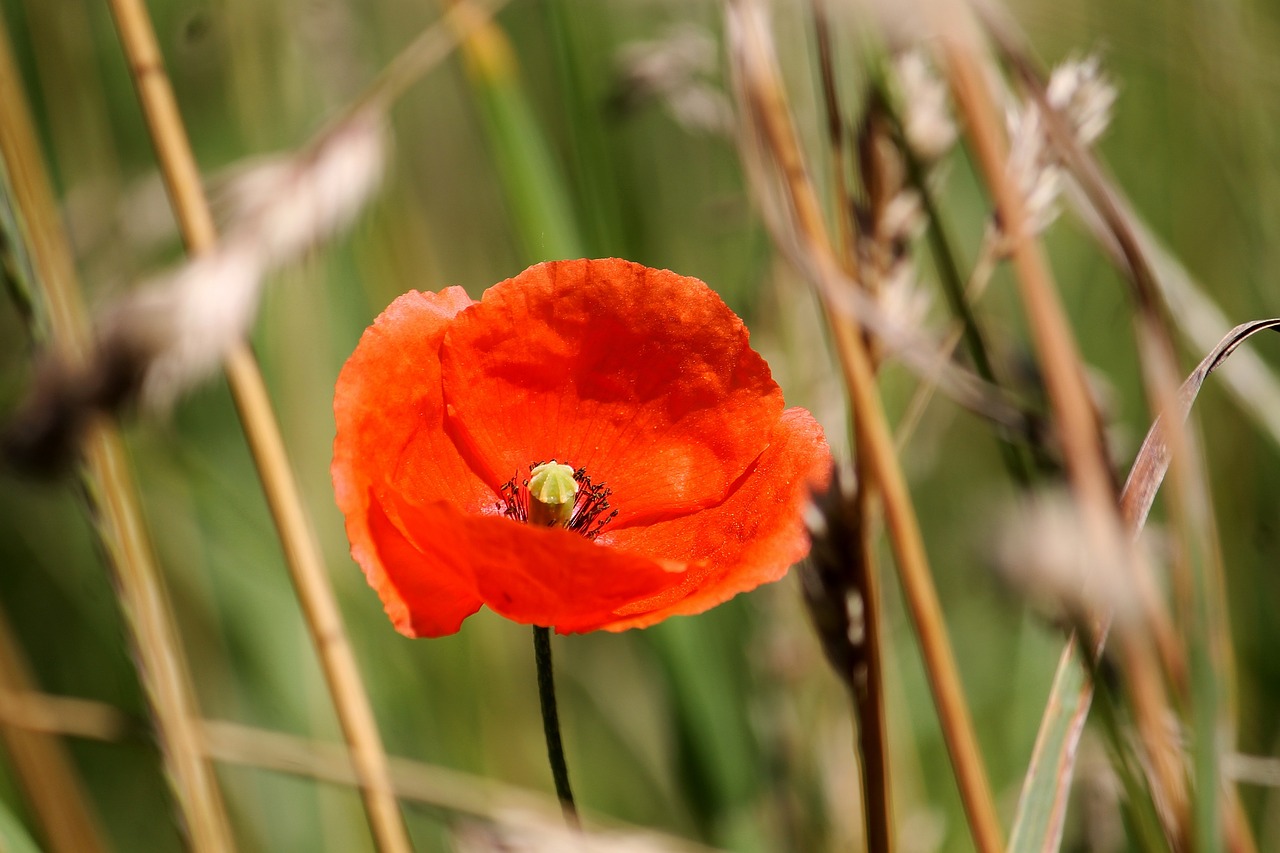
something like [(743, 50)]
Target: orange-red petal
[(389, 409), (642, 376), (534, 575), (426, 591), (750, 539)]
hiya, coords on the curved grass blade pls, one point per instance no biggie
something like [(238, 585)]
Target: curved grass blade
[(1043, 801), (1153, 457)]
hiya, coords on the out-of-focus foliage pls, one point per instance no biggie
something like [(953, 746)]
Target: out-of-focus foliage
[(726, 727)]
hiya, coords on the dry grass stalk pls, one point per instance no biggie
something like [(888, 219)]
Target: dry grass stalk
[(842, 593), (451, 791), (302, 551), (848, 586), (846, 226), (111, 492), (1199, 573), (47, 776), (1069, 145), (1060, 362), (765, 102), (1077, 423)]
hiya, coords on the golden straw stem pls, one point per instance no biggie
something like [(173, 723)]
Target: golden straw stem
[(112, 495), (871, 730), (1074, 413), (441, 788), (49, 782), (1059, 360), (302, 551), (764, 89)]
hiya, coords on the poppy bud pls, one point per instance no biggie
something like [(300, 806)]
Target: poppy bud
[(552, 494)]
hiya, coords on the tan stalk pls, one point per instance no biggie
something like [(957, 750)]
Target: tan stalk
[(868, 690), (1152, 328), (1199, 550), (1076, 419), (162, 668), (768, 101), (442, 788), (1075, 416), (48, 778), (302, 551), (1191, 506), (1153, 719)]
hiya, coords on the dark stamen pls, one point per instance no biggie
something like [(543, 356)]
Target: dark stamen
[(591, 508)]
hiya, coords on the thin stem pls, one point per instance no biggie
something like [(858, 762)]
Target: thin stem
[(301, 549), (865, 678), (767, 104), (110, 492), (551, 724), (49, 782), (1076, 417), (869, 691), (953, 286)]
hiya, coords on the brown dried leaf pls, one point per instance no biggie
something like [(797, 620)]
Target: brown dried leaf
[(1152, 461)]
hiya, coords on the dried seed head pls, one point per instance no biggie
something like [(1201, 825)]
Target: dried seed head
[(902, 298), (675, 70), (1083, 97), (286, 205), (1078, 89), (926, 106), (188, 320), (171, 333), (831, 577)]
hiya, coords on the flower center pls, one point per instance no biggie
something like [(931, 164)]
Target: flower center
[(555, 495)]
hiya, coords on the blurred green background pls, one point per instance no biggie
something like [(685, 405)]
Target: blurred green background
[(726, 727)]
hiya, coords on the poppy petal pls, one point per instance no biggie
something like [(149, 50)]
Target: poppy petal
[(642, 376), (389, 412), (535, 575), (424, 591), (752, 538)]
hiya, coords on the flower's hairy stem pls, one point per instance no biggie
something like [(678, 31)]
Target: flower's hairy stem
[(551, 724)]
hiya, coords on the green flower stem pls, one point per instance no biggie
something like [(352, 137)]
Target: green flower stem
[(551, 724)]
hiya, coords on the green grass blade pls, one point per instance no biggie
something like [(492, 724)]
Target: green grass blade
[(14, 837), (534, 186), (1042, 806)]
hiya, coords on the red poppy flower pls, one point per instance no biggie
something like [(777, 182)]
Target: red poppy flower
[(683, 476)]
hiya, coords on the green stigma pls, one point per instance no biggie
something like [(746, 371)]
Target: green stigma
[(552, 494)]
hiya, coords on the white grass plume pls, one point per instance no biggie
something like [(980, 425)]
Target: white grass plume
[(1044, 550), (927, 121), (1084, 98), (184, 323)]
